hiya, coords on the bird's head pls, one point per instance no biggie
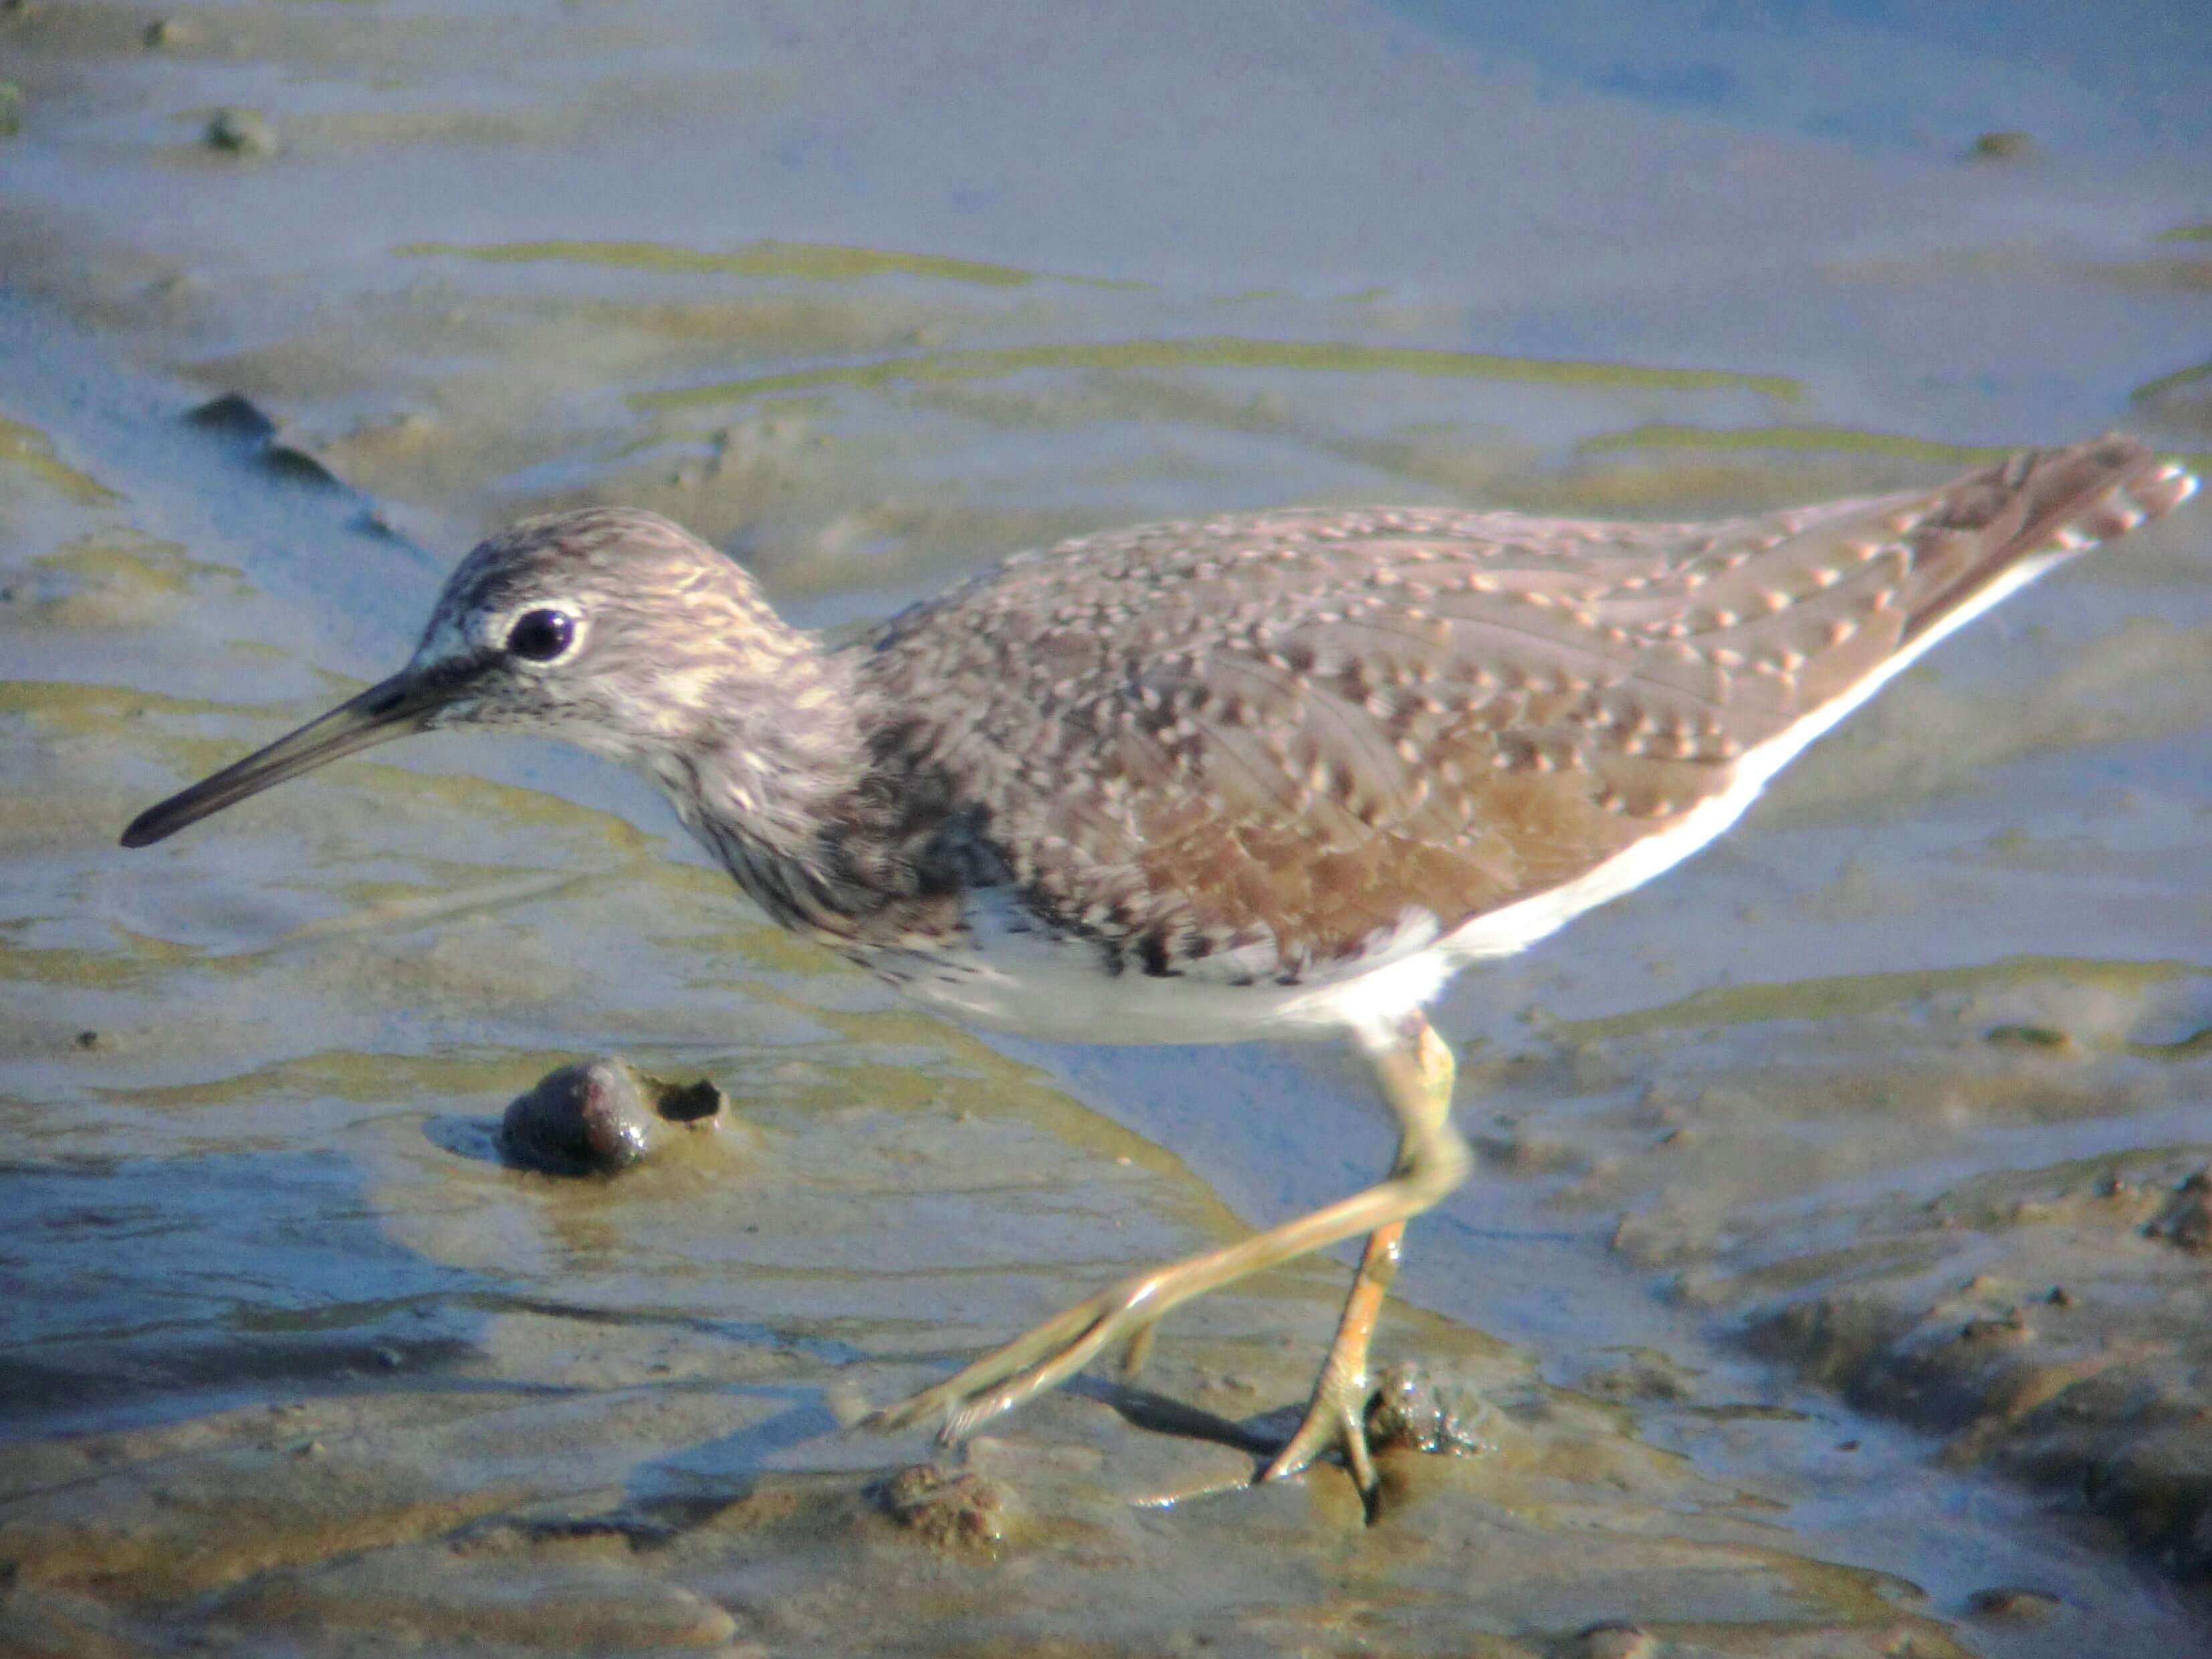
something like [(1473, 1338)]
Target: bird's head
[(611, 628)]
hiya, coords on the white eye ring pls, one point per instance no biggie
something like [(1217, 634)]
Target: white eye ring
[(539, 635)]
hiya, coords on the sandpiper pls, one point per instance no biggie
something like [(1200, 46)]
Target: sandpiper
[(1278, 774)]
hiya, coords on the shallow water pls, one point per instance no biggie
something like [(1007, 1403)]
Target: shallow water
[(1783, 1156)]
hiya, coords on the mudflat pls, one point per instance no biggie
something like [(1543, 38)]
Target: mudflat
[(1835, 1281)]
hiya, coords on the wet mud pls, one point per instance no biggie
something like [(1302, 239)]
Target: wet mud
[(1834, 1282)]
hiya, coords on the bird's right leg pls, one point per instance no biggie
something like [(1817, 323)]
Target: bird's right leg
[(1414, 1066)]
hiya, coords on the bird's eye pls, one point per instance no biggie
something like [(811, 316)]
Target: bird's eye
[(541, 635)]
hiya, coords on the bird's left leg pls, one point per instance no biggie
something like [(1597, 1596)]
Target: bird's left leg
[(1415, 1070)]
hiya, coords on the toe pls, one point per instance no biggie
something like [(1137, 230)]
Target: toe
[(1335, 1420)]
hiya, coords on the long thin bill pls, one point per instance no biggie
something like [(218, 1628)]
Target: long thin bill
[(391, 708)]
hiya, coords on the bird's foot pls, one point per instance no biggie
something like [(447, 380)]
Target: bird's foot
[(1034, 1363), (1335, 1420), (1405, 1407)]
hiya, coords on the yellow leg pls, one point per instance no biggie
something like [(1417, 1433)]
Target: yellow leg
[(1416, 1075), (1415, 1070), (1336, 1415)]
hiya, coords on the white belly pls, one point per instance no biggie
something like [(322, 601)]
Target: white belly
[(1012, 974)]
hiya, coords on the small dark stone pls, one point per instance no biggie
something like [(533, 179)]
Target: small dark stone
[(2011, 1601), (87, 1040), (603, 1117), (245, 132), (2186, 1220)]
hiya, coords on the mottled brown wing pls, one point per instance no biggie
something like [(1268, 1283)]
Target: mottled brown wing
[(1271, 736)]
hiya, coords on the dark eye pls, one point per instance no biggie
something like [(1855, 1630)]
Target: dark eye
[(541, 635)]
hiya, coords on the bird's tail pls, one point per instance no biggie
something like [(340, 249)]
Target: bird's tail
[(2029, 511)]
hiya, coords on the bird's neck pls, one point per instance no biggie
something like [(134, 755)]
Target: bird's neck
[(783, 787)]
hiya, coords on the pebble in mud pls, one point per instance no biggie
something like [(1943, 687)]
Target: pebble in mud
[(245, 132), (2007, 1601), (949, 1511), (2186, 1221), (603, 1117)]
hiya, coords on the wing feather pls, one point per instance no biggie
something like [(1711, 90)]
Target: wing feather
[(1271, 739)]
